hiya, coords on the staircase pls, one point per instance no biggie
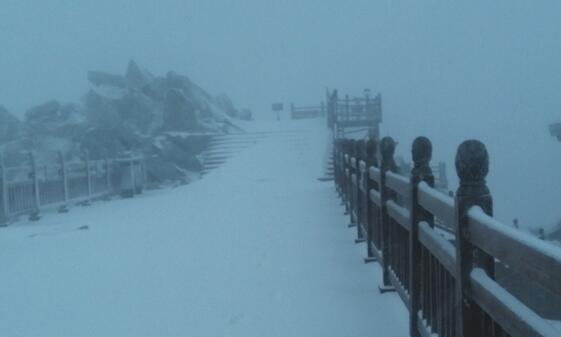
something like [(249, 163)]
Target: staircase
[(223, 147)]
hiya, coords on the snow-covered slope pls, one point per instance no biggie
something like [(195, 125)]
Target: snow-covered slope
[(259, 247)]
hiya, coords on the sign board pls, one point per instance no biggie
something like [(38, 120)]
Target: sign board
[(278, 106)]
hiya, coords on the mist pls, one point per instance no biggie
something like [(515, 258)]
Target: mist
[(448, 70)]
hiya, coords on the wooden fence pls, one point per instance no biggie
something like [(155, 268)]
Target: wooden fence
[(364, 112), (307, 112), (28, 189), (448, 284)]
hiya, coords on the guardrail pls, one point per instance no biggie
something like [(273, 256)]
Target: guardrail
[(448, 284), (28, 189), (307, 112), (353, 112)]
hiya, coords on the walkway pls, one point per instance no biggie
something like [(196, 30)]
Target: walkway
[(259, 247)]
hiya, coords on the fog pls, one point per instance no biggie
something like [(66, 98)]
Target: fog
[(449, 70)]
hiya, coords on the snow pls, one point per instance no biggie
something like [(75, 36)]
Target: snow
[(519, 312), (258, 247), (552, 252)]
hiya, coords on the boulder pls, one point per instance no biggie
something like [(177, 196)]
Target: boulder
[(136, 77), (99, 78), (179, 112)]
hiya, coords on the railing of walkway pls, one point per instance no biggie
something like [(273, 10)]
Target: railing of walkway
[(448, 285), (306, 112), (28, 189), (353, 112)]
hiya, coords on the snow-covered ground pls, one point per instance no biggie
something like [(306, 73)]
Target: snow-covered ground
[(259, 247)]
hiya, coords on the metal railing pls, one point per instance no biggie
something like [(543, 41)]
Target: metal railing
[(28, 189)]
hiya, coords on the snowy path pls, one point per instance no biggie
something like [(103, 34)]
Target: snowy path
[(258, 248)]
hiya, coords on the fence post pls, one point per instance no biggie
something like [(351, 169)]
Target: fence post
[(371, 160), (4, 216), (88, 175), (387, 147), (359, 214), (350, 194), (421, 152), (347, 106), (133, 177), (472, 167), (34, 215), (64, 176), (108, 175), (336, 164), (144, 173), (345, 175)]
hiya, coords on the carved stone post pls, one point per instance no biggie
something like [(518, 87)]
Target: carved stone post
[(350, 189), (64, 177), (108, 175), (89, 175), (422, 153), (387, 147), (359, 210), (472, 167), (336, 164), (34, 215), (371, 160), (346, 174)]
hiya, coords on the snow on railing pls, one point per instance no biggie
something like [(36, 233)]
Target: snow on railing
[(28, 189), (447, 282), (306, 112)]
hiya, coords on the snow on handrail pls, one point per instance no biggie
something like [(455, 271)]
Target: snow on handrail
[(438, 203), (400, 214), (374, 174), (398, 183), (362, 166), (511, 314), (541, 260)]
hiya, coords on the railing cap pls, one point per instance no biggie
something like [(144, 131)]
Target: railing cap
[(472, 162)]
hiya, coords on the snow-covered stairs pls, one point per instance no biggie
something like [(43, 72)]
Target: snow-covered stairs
[(223, 147), (329, 165)]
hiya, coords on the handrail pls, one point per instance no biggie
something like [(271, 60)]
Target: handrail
[(436, 202), (542, 262), (29, 189), (398, 183), (454, 273)]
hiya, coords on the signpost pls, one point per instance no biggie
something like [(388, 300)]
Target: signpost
[(278, 107)]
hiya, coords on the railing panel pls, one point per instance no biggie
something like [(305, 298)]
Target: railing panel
[(51, 191), (374, 174), (437, 277), (400, 214), (77, 187), (441, 248), (21, 197), (511, 315), (398, 258)]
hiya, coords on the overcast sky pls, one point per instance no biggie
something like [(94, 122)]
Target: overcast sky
[(450, 70)]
